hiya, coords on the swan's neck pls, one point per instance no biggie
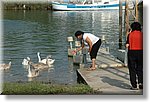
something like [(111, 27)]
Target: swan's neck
[(29, 71), (39, 57), (9, 64), (47, 62)]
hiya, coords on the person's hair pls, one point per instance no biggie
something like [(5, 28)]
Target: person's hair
[(78, 33), (136, 26)]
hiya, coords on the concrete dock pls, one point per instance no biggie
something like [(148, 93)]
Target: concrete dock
[(110, 76), (109, 81)]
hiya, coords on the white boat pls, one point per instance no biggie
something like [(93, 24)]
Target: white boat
[(104, 4)]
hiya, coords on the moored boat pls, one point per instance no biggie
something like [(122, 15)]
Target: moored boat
[(104, 4)]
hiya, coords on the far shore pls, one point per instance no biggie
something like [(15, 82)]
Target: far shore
[(19, 6)]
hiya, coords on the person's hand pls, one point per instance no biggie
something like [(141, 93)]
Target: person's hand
[(127, 45), (74, 52)]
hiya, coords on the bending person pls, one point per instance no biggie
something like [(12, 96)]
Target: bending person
[(93, 42)]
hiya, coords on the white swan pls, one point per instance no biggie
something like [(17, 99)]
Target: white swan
[(48, 58), (26, 61), (5, 66), (32, 72)]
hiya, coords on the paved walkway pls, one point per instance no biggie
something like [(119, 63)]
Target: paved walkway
[(110, 77), (109, 80)]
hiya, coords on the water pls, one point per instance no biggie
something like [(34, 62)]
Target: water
[(29, 32)]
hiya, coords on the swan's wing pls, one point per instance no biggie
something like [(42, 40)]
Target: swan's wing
[(25, 62), (2, 66), (51, 61), (43, 61), (38, 65)]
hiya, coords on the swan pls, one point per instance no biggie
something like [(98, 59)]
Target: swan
[(40, 66), (25, 61), (5, 66), (32, 73), (50, 61)]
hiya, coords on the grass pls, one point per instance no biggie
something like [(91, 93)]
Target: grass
[(37, 88)]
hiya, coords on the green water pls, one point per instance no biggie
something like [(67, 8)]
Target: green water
[(29, 32)]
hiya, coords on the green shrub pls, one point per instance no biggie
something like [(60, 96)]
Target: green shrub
[(37, 88)]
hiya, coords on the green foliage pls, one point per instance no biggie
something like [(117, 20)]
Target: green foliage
[(37, 88), (28, 6)]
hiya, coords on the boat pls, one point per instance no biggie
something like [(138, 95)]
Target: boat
[(87, 5)]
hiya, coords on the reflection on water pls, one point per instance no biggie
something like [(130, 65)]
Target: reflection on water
[(29, 32)]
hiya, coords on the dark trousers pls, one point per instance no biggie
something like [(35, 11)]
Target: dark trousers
[(135, 65), (95, 49)]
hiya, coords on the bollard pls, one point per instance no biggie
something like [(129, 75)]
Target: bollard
[(78, 45), (103, 38), (103, 41), (70, 48), (70, 40), (77, 59)]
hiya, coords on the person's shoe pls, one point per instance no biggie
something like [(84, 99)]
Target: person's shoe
[(134, 88), (91, 69), (140, 86)]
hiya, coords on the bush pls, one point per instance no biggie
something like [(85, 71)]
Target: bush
[(37, 88)]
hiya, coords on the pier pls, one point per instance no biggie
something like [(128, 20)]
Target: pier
[(110, 80), (110, 77)]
